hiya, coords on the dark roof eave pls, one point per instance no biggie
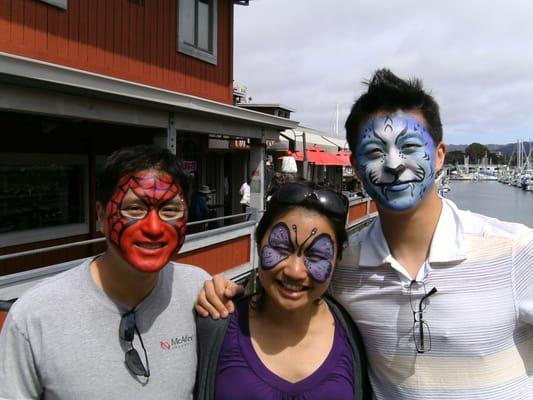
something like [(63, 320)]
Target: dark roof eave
[(35, 72)]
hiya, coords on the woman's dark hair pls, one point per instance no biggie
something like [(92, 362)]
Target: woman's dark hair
[(130, 160), (277, 209), (280, 178), (387, 92)]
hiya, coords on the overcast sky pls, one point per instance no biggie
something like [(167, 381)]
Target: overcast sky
[(476, 57)]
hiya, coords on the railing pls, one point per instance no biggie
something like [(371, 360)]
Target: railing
[(13, 285), (102, 239)]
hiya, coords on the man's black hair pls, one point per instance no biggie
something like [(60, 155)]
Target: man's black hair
[(387, 92), (130, 160)]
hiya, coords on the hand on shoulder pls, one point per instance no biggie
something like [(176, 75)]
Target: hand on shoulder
[(214, 299)]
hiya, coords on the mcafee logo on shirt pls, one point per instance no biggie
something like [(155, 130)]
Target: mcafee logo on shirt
[(176, 343)]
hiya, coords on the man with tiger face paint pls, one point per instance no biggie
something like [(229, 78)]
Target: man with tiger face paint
[(396, 160), (123, 319), (443, 297)]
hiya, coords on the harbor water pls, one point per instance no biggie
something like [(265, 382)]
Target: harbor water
[(495, 199)]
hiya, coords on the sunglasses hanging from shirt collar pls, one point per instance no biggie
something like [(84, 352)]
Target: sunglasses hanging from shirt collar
[(127, 330)]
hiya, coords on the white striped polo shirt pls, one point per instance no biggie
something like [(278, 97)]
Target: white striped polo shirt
[(479, 319)]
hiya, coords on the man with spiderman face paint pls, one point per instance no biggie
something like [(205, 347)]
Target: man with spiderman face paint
[(146, 219), (127, 312)]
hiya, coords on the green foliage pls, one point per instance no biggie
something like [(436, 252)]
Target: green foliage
[(476, 151), (454, 157)]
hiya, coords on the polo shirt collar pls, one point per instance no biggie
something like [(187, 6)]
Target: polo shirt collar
[(447, 246)]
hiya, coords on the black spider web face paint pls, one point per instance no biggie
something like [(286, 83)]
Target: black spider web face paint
[(318, 256)]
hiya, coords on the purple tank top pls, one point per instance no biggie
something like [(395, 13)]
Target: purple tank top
[(241, 375)]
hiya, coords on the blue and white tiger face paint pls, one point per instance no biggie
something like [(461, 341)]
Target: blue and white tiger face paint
[(396, 160)]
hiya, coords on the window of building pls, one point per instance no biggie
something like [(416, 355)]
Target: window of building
[(282, 113), (57, 3), (42, 197), (197, 29)]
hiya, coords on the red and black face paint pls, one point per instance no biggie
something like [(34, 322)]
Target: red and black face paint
[(146, 219)]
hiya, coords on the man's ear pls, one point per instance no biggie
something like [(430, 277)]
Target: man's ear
[(440, 155), (355, 166), (100, 214)]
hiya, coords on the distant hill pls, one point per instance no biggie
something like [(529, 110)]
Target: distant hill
[(456, 147), (505, 149)]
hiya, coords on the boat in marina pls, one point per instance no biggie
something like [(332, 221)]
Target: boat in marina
[(485, 177), (461, 176), (527, 182)]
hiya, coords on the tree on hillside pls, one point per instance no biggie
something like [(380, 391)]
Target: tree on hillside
[(476, 151), (454, 157)]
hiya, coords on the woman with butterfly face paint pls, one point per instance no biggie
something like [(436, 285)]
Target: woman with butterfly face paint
[(288, 340)]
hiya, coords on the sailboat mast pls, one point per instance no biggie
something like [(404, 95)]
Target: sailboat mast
[(337, 121)]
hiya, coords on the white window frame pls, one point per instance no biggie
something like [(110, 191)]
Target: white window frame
[(190, 48), (51, 232), (63, 4)]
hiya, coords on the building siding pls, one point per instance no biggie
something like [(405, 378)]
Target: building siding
[(219, 257), (121, 39), (356, 212)]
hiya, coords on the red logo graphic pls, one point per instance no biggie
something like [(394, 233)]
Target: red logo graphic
[(164, 345)]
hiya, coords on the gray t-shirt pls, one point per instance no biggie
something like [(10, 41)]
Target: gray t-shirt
[(61, 340)]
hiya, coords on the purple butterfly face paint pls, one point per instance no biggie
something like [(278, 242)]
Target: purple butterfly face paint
[(279, 247), (318, 256)]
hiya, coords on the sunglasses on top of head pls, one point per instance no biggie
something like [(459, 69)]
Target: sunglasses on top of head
[(294, 193)]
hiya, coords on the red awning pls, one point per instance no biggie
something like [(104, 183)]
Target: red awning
[(344, 156), (319, 156)]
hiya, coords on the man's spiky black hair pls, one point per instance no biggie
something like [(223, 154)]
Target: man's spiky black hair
[(387, 92)]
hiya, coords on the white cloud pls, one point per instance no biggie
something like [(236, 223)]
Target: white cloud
[(475, 56)]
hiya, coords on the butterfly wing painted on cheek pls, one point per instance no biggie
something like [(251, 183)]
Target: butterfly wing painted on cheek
[(320, 269), (279, 238)]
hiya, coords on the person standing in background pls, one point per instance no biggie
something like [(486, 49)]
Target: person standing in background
[(199, 209), (245, 195)]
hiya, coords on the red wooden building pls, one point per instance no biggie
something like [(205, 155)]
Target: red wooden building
[(82, 78)]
